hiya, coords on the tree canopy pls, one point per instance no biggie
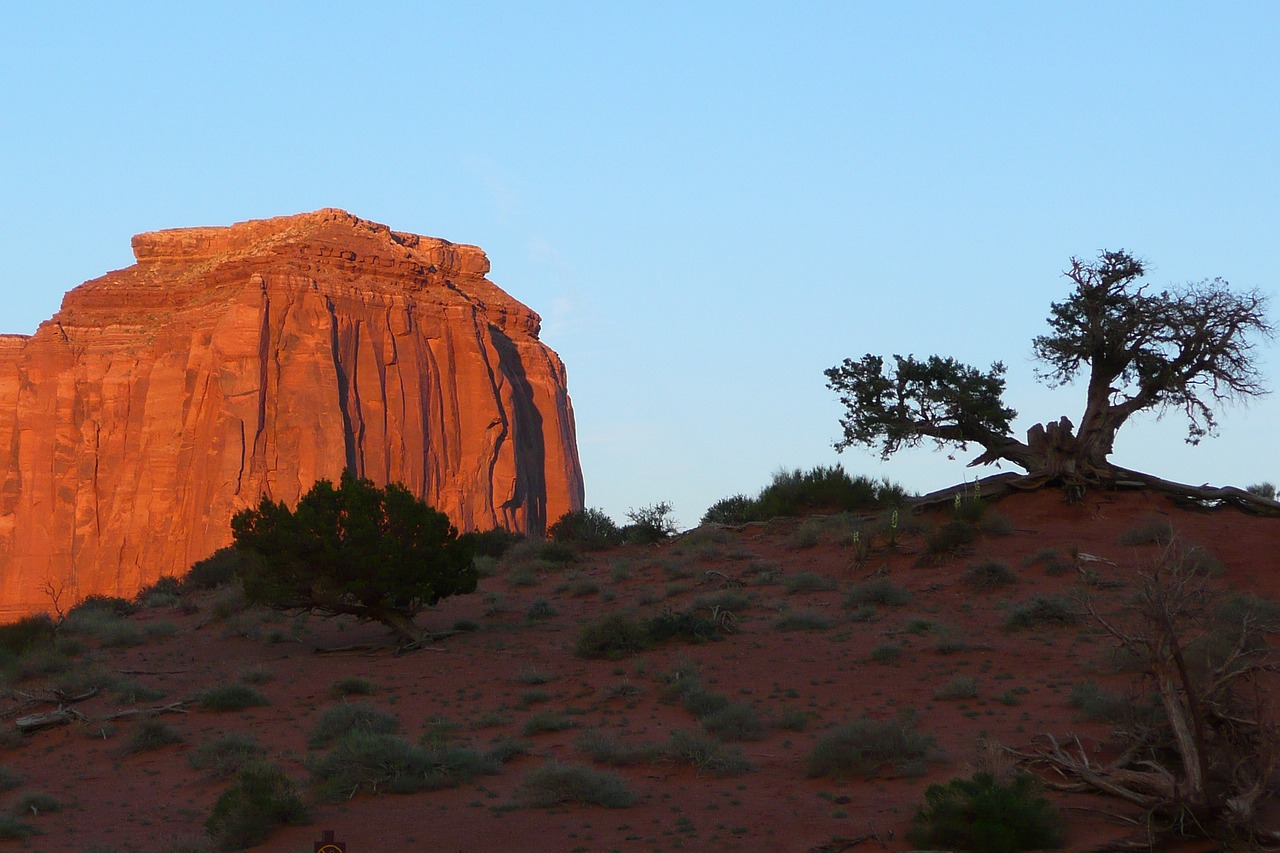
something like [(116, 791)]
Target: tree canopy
[(377, 554), (1188, 349)]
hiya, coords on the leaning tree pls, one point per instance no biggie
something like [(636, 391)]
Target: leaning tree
[(1188, 350)]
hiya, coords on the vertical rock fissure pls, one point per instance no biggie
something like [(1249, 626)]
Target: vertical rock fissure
[(348, 437)]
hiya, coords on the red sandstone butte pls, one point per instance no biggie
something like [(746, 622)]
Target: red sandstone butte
[(232, 363)]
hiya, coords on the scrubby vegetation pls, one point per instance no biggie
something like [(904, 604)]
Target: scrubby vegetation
[(820, 489), (987, 815)]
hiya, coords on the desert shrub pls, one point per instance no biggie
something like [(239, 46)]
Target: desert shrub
[(683, 625), (231, 697), (734, 510), (12, 829), (964, 687), (261, 798), (726, 599), (736, 722), (695, 748), (1200, 562), (1153, 530), (553, 784), (989, 574), (968, 508), (583, 587), (612, 636), (225, 755), (1052, 562), (150, 735), (820, 489), (987, 815), (949, 538), (698, 700), (650, 524), (588, 528), (996, 524), (533, 675), (803, 620), (163, 593), (863, 747), (384, 763), (491, 544), (339, 721), (605, 749), (220, 568), (540, 608), (1097, 704), (1043, 610), (1263, 490), (879, 591), (9, 778), (353, 685), (886, 652), (546, 721), (120, 634), (808, 582), (523, 574), (376, 553), (28, 632), (36, 803), (103, 603)]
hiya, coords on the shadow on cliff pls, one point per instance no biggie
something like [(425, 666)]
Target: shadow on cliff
[(530, 447)]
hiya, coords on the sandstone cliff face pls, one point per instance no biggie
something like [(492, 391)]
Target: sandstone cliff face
[(232, 363)]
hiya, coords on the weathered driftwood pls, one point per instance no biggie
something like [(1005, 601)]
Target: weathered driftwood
[(63, 715)]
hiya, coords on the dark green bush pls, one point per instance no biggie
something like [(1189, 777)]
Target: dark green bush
[(231, 697), (880, 591), (353, 685), (863, 747), (612, 636), (684, 625), (150, 735), (490, 543), (261, 798), (1153, 530), (650, 524), (604, 749), (28, 632), (734, 511), (808, 582), (588, 528), (949, 538), (1263, 490), (705, 753), (1043, 610), (226, 754), (986, 815), (1097, 704), (989, 574), (553, 784), (339, 721), (736, 722), (36, 803), (220, 568), (113, 604), (384, 763)]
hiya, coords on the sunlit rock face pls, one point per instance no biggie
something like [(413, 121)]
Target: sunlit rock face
[(237, 362)]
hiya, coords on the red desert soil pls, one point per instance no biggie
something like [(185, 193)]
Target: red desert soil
[(484, 685)]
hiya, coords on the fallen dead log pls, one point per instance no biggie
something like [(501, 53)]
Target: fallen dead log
[(63, 715)]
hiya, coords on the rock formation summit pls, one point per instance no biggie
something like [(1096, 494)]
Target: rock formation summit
[(232, 363)]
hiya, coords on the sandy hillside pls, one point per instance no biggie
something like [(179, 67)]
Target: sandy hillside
[(809, 637)]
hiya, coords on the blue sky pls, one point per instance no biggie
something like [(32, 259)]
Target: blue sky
[(709, 203)]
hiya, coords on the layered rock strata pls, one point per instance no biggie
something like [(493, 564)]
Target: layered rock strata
[(232, 363)]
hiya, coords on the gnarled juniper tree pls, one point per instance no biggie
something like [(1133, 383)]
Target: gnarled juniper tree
[(1189, 350), (376, 554)]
